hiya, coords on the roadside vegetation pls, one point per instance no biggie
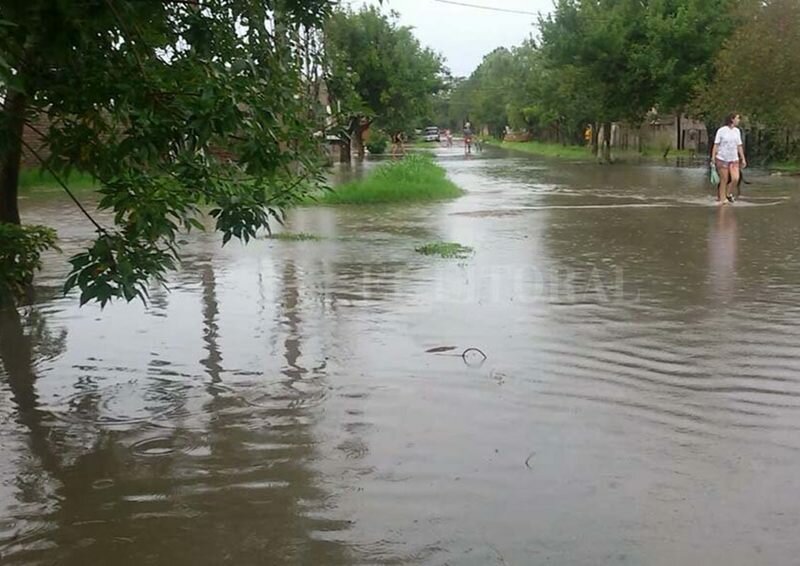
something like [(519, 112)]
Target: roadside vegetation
[(631, 62), (788, 167), (584, 153), (545, 149), (380, 75), (38, 179), (415, 178)]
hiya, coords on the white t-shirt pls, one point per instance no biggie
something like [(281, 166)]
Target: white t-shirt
[(728, 140)]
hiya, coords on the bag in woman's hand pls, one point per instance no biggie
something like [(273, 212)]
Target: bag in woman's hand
[(714, 178)]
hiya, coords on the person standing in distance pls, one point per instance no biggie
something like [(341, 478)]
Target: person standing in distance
[(728, 155)]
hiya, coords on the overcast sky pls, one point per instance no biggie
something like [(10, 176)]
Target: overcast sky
[(464, 34)]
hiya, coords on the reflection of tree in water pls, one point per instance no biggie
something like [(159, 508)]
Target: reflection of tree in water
[(237, 489), (290, 306), (212, 362), (68, 471), (257, 490), (18, 352)]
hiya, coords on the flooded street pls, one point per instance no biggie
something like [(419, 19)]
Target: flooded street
[(639, 403)]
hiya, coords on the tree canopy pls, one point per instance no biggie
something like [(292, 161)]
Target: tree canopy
[(758, 72), (603, 61), (378, 71), (173, 106)]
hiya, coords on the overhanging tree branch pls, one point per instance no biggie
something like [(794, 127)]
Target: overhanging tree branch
[(64, 186)]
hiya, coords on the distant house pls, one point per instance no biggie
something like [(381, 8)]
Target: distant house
[(32, 136), (660, 132)]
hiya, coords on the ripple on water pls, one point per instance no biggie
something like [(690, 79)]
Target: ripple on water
[(23, 535), (129, 403), (295, 394), (717, 383), (168, 444)]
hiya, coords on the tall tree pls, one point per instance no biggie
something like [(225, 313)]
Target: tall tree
[(683, 38), (522, 89), (493, 84), (152, 98), (758, 73), (378, 73), (607, 40), (551, 103)]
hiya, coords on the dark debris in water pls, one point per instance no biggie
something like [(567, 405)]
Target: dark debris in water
[(472, 356), (438, 349), (528, 460)]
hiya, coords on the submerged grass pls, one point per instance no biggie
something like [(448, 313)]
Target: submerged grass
[(294, 237), (415, 178), (791, 167), (445, 249)]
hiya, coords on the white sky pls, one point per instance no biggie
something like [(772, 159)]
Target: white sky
[(463, 34)]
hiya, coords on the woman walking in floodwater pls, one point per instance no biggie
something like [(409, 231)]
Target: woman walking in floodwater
[(727, 156)]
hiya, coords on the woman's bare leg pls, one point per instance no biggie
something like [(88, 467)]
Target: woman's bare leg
[(724, 177), (734, 174)]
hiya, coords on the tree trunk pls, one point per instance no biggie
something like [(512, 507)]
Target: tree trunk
[(14, 110), (358, 139), (595, 135), (679, 141), (344, 151), (606, 157), (788, 150)]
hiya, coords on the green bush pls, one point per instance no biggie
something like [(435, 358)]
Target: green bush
[(377, 142), (414, 178), (21, 248)]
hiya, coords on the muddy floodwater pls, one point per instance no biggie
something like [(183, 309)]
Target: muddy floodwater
[(307, 402)]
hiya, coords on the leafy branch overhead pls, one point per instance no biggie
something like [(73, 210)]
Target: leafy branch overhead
[(174, 107)]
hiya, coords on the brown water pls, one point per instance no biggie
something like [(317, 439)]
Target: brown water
[(639, 404)]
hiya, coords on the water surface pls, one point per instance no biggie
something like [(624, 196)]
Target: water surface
[(640, 400)]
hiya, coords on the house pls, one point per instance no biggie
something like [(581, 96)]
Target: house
[(661, 132)]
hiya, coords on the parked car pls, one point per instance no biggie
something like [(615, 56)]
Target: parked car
[(431, 134)]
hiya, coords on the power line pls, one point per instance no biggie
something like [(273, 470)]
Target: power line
[(491, 8)]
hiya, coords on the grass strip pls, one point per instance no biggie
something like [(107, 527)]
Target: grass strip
[(415, 178), (36, 179), (583, 153)]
